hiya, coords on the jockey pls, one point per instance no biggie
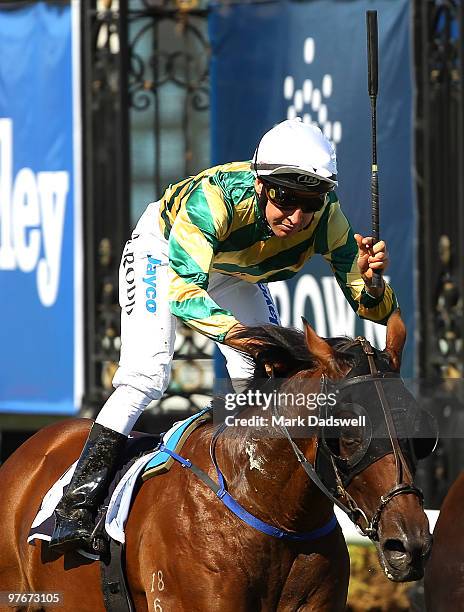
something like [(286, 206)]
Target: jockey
[(204, 254)]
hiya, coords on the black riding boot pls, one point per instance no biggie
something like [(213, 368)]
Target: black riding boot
[(75, 513)]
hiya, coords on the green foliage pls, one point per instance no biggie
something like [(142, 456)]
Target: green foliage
[(370, 590)]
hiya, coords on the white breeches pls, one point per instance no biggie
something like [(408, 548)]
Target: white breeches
[(148, 328)]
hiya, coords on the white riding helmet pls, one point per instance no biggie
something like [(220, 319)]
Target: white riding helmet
[(296, 155)]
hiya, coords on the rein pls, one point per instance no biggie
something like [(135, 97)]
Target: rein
[(371, 528)]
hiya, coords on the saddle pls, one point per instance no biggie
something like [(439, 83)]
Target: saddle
[(174, 441), (140, 445)]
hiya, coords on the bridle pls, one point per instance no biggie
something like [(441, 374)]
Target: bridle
[(349, 505)]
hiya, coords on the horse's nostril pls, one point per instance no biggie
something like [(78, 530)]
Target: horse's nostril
[(394, 545), (401, 559), (395, 553)]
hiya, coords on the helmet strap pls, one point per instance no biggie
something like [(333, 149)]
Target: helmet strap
[(262, 200), (255, 165)]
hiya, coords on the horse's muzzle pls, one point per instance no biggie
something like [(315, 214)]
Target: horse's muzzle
[(403, 558)]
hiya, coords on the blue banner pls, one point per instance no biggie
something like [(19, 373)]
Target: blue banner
[(278, 60), (40, 240)]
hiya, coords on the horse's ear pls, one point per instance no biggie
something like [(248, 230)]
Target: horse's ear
[(396, 337), (317, 346)]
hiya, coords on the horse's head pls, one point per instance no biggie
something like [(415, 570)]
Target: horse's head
[(369, 465), (369, 440)]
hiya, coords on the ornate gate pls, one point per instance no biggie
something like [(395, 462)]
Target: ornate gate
[(133, 53)]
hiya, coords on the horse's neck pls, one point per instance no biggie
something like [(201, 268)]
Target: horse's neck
[(264, 475)]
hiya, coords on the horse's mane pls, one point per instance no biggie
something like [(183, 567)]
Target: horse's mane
[(277, 343), (285, 344)]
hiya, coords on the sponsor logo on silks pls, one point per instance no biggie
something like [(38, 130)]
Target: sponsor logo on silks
[(32, 216), (150, 279), (308, 180), (273, 316), (129, 275)]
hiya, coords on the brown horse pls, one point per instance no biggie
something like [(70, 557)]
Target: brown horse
[(444, 578), (187, 552)]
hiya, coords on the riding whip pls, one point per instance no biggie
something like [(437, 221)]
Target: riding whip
[(373, 86)]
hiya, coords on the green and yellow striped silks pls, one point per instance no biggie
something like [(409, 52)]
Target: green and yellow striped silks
[(213, 224)]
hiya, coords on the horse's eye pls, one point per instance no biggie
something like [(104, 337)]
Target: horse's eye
[(351, 441)]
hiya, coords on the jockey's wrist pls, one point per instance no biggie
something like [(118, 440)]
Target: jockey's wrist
[(374, 292)]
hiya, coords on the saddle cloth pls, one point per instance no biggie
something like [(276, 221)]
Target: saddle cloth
[(150, 464)]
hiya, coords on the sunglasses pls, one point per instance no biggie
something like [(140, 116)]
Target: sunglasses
[(283, 197)]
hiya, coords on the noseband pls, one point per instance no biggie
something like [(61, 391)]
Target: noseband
[(349, 505)]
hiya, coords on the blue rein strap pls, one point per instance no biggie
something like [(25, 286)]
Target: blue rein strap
[(221, 492)]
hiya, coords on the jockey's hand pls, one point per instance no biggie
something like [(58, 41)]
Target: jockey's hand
[(371, 257)]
